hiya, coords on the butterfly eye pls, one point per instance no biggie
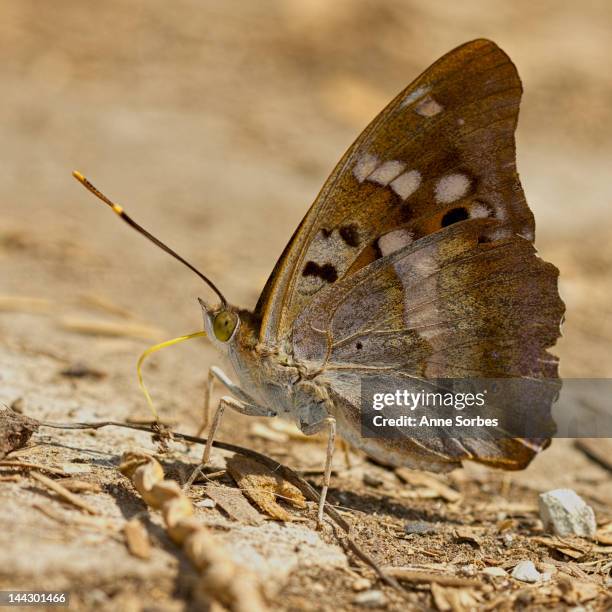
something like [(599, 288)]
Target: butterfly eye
[(224, 325)]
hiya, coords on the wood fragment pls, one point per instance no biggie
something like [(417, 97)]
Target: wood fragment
[(80, 520), (15, 431), (81, 486), (465, 533), (63, 493), (137, 539), (455, 600), (234, 503), (420, 479), (422, 577), (604, 534), (575, 551), (262, 487), (29, 465)]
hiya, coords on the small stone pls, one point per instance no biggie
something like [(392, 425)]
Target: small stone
[(361, 584), (370, 599), (372, 481), (507, 539), (526, 572), (468, 570), (205, 503), (495, 571), (420, 527), (567, 513)]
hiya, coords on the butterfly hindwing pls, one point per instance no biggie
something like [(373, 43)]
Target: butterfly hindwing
[(452, 305)]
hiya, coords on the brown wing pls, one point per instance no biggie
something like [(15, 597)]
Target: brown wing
[(451, 305), (442, 151)]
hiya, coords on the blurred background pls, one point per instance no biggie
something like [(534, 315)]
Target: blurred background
[(216, 123)]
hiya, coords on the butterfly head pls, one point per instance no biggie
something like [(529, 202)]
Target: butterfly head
[(221, 323)]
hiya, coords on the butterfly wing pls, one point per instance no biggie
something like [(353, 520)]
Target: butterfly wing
[(416, 259), (451, 305), (442, 150)]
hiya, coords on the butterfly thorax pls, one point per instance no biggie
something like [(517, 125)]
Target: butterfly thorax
[(271, 375)]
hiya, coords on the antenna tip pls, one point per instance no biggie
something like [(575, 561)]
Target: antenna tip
[(78, 176)]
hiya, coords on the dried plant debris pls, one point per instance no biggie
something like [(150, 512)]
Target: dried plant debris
[(29, 465), (455, 600), (63, 493), (420, 576), (82, 370), (234, 503), (262, 486), (15, 431), (433, 485), (137, 539), (220, 578), (604, 535)]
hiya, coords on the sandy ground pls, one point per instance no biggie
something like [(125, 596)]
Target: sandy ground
[(215, 125)]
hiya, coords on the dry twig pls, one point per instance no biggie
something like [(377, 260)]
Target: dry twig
[(64, 493)]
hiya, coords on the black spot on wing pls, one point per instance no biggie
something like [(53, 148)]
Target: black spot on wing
[(454, 216), (350, 235), (327, 272)]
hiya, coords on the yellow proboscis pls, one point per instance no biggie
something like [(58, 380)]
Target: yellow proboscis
[(153, 349)]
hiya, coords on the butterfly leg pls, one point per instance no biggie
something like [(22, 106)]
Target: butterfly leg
[(217, 373), (239, 406), (329, 423)]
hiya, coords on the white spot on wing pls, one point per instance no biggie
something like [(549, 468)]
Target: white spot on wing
[(386, 172), (394, 241), (428, 107), (415, 95), (501, 234), (365, 165), (406, 183), (451, 187), (500, 213), (478, 211)]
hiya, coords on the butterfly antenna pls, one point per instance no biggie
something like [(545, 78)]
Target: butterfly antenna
[(125, 217)]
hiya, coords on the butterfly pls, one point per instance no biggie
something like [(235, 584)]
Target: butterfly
[(416, 261)]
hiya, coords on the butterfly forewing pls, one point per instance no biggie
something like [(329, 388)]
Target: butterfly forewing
[(442, 151)]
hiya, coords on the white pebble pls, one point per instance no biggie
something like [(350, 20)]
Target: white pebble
[(526, 572), (370, 599), (567, 513)]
